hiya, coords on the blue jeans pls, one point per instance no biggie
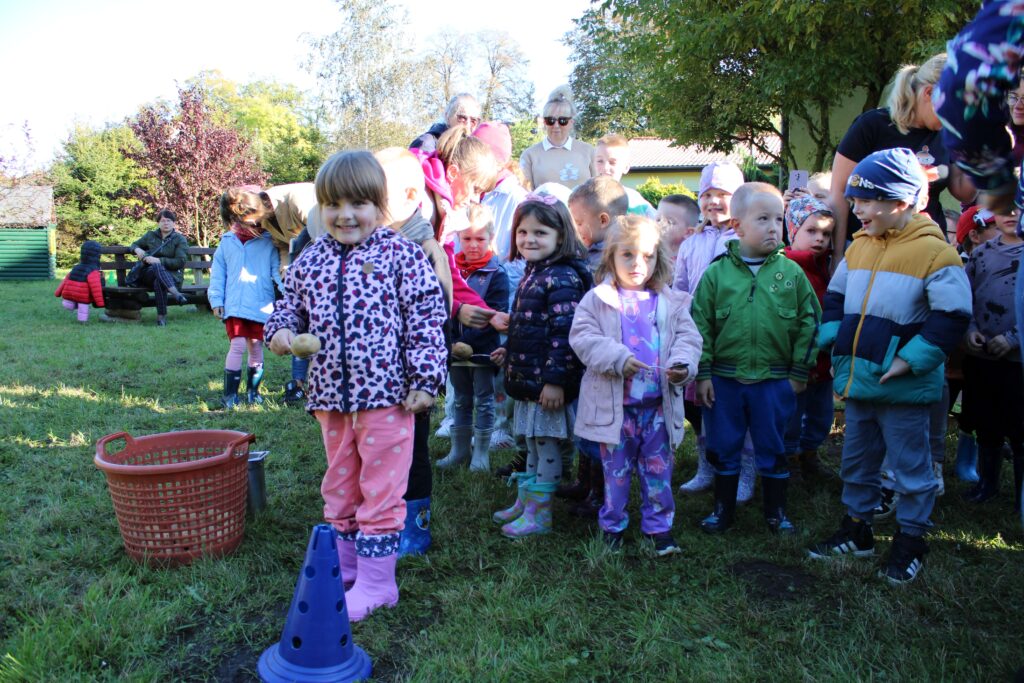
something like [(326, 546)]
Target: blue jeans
[(898, 434), (474, 386), (300, 368), (812, 418), (764, 409)]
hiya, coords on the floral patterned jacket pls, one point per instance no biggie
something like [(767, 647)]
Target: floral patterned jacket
[(379, 313), (983, 64)]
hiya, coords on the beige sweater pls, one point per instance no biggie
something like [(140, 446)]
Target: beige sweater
[(558, 165), (295, 208)]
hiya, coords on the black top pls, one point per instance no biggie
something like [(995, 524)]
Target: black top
[(874, 131)]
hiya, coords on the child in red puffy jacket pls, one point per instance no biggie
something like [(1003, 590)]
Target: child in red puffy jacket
[(84, 284)]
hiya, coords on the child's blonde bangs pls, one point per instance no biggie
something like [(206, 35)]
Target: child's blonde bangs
[(630, 230)]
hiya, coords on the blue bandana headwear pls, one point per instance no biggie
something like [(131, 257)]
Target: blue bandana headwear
[(893, 174)]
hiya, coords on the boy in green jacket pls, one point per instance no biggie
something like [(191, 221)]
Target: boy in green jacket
[(758, 315)]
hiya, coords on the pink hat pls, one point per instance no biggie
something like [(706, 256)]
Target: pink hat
[(497, 137), (721, 175)]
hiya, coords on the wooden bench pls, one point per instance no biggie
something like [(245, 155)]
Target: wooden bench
[(127, 302)]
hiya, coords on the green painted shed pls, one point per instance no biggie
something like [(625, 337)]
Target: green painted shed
[(28, 245)]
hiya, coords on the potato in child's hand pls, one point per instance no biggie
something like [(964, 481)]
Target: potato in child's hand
[(305, 345), (461, 351)]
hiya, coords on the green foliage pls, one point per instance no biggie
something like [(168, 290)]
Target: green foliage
[(723, 73), (607, 100), (754, 173), (93, 187), (276, 120), (525, 133), (653, 190)]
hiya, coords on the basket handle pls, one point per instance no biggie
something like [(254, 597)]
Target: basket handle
[(237, 443), (101, 445)]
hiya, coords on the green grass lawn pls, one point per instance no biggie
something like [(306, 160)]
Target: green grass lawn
[(477, 608)]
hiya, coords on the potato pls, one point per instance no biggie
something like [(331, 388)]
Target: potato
[(461, 351), (305, 345)]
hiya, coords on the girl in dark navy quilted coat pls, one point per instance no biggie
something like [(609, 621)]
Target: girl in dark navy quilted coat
[(84, 284), (372, 299), (542, 372)]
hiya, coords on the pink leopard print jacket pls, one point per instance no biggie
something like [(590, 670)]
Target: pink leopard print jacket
[(379, 313)]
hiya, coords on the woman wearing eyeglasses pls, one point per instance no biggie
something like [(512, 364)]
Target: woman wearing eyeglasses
[(559, 158), (462, 110)]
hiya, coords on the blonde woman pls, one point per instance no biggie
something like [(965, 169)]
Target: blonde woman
[(908, 120), (559, 158)]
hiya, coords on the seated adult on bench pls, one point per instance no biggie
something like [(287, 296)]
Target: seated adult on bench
[(164, 252)]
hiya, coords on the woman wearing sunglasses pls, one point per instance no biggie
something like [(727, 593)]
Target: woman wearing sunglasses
[(462, 110), (559, 158)]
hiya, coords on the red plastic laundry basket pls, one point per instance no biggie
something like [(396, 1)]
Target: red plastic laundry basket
[(178, 495)]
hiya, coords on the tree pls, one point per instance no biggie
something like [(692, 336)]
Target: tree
[(94, 188), (372, 86), (722, 73), (275, 118), (506, 91), (524, 132), (604, 106), (447, 56), (191, 159)]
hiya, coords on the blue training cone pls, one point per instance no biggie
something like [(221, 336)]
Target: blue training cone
[(316, 644)]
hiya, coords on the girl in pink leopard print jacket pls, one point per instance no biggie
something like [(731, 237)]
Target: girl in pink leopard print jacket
[(372, 299)]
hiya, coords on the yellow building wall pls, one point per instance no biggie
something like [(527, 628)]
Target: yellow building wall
[(690, 179)]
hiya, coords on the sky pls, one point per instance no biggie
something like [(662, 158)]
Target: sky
[(69, 61)]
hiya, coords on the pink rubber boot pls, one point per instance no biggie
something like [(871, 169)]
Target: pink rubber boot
[(347, 558), (375, 586)]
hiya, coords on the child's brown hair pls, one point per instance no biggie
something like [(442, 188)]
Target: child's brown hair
[(549, 212), (629, 230), (242, 205), (355, 175)]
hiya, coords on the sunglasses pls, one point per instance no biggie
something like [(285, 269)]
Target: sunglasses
[(562, 120), (471, 120)]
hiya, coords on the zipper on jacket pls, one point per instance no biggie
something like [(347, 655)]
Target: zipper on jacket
[(860, 322), (341, 328)]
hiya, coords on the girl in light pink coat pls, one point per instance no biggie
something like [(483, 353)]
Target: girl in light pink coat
[(635, 335)]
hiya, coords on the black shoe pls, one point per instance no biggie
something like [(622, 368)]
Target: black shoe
[(664, 544), (613, 540), (853, 538), (232, 378), (578, 489), (588, 508), (161, 321), (774, 494), (721, 519), (181, 298), (906, 559), (294, 393), (518, 464)]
